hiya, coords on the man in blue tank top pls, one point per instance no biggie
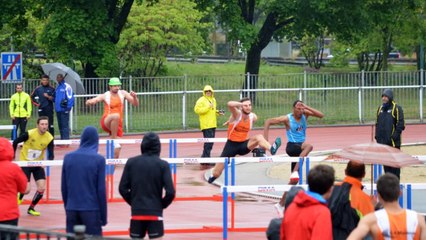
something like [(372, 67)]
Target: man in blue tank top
[(295, 124)]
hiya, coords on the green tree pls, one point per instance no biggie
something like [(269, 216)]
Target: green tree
[(256, 22), (155, 31), (13, 14), (25, 41), (84, 30), (312, 48)]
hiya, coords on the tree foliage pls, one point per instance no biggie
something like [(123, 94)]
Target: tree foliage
[(84, 30), (155, 31)]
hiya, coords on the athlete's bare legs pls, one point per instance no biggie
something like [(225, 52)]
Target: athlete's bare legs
[(112, 122)]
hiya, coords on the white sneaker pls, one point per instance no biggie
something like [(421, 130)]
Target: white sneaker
[(117, 145), (279, 209), (294, 177)]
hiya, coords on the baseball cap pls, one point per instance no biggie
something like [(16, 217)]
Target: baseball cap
[(114, 82)]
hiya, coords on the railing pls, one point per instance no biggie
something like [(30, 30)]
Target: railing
[(166, 103), (10, 232)]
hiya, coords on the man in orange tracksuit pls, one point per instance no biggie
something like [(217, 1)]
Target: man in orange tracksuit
[(112, 119)]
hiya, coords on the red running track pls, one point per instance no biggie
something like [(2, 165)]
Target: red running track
[(205, 215)]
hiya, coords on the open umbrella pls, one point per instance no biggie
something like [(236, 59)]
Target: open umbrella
[(71, 77), (374, 153)]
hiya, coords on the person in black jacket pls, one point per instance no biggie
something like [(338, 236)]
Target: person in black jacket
[(44, 97), (141, 186), (389, 125)]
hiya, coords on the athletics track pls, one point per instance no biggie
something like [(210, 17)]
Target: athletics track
[(201, 219)]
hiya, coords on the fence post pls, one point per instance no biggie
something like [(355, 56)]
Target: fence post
[(131, 109), (422, 77), (360, 90), (302, 95), (185, 78)]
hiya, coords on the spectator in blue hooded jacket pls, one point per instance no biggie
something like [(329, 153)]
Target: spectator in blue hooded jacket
[(64, 101), (83, 185)]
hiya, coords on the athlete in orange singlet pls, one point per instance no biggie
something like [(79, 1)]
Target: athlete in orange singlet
[(112, 119), (391, 222), (239, 142)]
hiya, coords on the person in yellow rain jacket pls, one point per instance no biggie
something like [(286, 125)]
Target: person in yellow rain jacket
[(206, 108), (20, 109)]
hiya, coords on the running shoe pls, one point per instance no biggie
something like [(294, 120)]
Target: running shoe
[(33, 212), (211, 179), (117, 145), (276, 145), (294, 178), (280, 209)]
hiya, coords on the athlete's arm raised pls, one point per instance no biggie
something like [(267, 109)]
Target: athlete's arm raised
[(235, 109), (131, 97), (310, 111)]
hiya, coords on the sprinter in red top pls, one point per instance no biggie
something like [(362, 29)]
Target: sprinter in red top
[(239, 142)]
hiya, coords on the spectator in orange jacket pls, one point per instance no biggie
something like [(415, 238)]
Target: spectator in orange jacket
[(360, 201)]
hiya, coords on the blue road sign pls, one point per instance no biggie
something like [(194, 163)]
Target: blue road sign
[(11, 66)]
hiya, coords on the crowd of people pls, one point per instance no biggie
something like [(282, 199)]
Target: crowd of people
[(146, 183)]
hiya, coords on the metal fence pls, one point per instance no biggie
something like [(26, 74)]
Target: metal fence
[(166, 103)]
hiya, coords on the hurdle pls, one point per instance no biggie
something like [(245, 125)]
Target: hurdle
[(225, 197), (10, 127)]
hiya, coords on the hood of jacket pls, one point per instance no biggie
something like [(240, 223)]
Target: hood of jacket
[(6, 150), (90, 139), (303, 199), (206, 88), (388, 93), (151, 144)]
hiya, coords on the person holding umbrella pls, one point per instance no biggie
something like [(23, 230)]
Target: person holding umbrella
[(43, 97), (64, 101), (112, 119)]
